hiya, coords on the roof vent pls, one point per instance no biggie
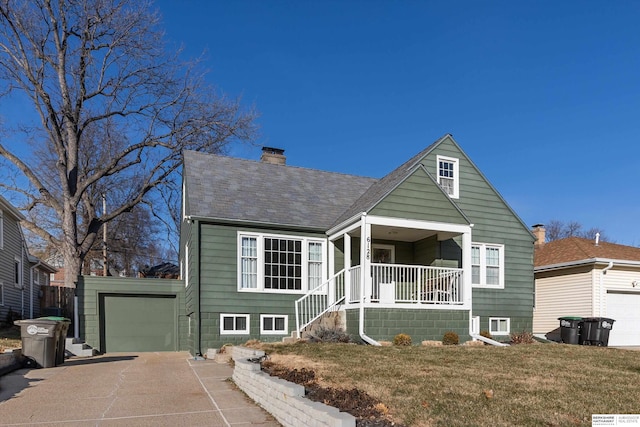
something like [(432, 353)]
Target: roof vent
[(274, 156), (597, 239)]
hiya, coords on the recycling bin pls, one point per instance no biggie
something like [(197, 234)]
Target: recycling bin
[(570, 329), (61, 339), (39, 340), (595, 330)]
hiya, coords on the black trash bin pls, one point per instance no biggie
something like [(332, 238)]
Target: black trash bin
[(570, 329), (595, 330), (39, 340), (61, 340)]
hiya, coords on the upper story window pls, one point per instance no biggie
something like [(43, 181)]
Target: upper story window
[(17, 272), (448, 176), (487, 265), (280, 263)]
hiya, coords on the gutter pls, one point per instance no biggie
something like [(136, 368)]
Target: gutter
[(363, 272), (602, 273), (488, 340)]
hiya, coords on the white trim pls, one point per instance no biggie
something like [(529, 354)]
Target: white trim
[(36, 276), (305, 240), (341, 228), (1, 229), (500, 320), (18, 280), (456, 174), (285, 331), (234, 331), (483, 265), (420, 225)]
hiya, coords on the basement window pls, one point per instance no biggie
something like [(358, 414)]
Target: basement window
[(271, 324), (499, 325), (234, 324)]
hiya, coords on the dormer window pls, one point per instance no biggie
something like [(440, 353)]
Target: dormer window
[(448, 176)]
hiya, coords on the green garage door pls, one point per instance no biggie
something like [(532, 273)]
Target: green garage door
[(138, 323)]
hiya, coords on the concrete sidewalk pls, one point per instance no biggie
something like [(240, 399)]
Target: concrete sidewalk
[(141, 389)]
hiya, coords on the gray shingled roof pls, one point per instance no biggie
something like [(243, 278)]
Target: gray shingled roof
[(246, 190)]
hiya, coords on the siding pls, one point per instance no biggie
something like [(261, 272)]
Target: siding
[(12, 248), (219, 287), (418, 197), (494, 222), (562, 295)]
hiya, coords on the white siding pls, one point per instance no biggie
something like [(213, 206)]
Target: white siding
[(566, 295)]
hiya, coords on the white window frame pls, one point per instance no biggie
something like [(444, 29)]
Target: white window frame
[(456, 174), (17, 266), (273, 317), (483, 265), (261, 261), (36, 277), (499, 320), (235, 331)]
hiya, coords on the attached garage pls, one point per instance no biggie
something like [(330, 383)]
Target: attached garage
[(132, 315), (624, 308), (139, 322)]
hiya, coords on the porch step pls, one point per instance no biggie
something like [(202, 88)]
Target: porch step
[(78, 348)]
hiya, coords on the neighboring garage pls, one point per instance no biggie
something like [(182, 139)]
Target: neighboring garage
[(624, 308), (132, 315)]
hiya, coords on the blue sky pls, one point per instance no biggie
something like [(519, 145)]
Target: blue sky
[(543, 96)]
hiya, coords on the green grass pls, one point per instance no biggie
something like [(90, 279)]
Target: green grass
[(528, 385)]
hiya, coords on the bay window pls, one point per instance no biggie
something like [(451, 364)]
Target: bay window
[(277, 263)]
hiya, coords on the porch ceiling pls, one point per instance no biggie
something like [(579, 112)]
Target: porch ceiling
[(381, 232)]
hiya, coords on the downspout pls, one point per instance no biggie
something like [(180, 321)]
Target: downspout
[(365, 254), (602, 292)]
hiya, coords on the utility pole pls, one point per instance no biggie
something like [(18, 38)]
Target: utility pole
[(104, 237)]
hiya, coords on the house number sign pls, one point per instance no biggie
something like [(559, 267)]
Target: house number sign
[(368, 248)]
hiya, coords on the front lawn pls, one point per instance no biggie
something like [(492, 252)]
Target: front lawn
[(523, 385), (9, 337)]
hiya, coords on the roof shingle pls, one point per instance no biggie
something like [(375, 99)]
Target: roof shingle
[(579, 249)]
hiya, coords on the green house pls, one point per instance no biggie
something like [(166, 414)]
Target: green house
[(267, 250)]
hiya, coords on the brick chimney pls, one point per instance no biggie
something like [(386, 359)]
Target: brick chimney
[(274, 156), (539, 232)]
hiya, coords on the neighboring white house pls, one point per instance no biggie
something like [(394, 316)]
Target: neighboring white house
[(587, 278)]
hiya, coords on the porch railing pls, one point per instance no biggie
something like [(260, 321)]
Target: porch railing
[(320, 300), (398, 284)]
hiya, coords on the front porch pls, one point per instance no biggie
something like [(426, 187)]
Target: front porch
[(392, 263)]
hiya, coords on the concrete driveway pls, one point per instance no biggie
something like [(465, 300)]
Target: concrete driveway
[(118, 389)]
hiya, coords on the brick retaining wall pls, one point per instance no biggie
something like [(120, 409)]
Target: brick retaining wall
[(283, 399)]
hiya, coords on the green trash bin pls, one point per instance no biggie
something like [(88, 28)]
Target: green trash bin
[(570, 329), (61, 339), (39, 340)]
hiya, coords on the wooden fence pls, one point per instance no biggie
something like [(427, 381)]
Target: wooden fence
[(57, 300)]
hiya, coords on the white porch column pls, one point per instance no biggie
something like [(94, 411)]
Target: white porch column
[(365, 259), (347, 267), (332, 270), (466, 269)]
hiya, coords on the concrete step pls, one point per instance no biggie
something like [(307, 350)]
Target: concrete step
[(78, 348)]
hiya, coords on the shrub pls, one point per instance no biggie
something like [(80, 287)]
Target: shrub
[(450, 338), (402, 339), (334, 335), (523, 337)]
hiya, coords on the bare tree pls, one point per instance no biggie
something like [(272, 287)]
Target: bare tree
[(113, 107), (556, 229)]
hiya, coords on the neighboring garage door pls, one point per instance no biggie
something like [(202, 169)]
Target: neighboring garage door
[(623, 307), (138, 323)]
